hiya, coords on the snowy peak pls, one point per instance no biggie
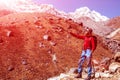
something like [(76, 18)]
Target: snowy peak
[(86, 12), (81, 12)]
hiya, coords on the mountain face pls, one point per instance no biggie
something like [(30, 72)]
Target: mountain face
[(113, 22), (113, 38)]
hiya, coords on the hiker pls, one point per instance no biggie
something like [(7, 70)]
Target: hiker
[(88, 48)]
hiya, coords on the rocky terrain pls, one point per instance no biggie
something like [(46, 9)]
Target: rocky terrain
[(108, 69), (37, 46)]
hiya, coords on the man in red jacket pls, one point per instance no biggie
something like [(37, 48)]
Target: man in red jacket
[(88, 49)]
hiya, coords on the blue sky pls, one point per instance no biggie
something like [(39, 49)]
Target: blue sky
[(109, 8)]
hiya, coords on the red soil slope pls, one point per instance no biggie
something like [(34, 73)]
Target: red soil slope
[(25, 55)]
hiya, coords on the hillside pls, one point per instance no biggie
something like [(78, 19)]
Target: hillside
[(36, 46), (113, 38), (5, 12), (114, 22)]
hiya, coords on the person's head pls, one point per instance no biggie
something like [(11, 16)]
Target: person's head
[(88, 32)]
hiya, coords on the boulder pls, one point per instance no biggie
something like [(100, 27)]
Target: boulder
[(117, 57), (114, 67), (103, 75), (104, 64), (106, 75)]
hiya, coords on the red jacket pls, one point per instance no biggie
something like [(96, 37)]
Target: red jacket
[(89, 42)]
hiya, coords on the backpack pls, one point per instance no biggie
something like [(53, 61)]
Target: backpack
[(95, 41)]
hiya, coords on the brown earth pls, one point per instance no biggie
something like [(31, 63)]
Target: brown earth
[(22, 57), (114, 22)]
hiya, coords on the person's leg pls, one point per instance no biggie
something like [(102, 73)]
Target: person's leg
[(88, 54), (89, 67), (81, 61)]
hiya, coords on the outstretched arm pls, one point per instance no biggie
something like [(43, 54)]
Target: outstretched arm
[(77, 36)]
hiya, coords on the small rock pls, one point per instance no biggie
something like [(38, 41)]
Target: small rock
[(46, 37), (95, 62), (41, 45), (37, 22), (54, 58), (52, 43), (49, 51), (10, 68), (73, 70), (97, 75), (24, 62), (40, 27), (8, 33), (62, 75)]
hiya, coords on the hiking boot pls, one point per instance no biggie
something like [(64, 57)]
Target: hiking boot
[(78, 76), (76, 71), (88, 78)]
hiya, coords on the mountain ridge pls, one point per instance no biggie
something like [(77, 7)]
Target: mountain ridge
[(83, 11)]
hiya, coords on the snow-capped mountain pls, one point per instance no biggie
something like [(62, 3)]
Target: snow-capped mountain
[(86, 12), (81, 12), (31, 7)]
